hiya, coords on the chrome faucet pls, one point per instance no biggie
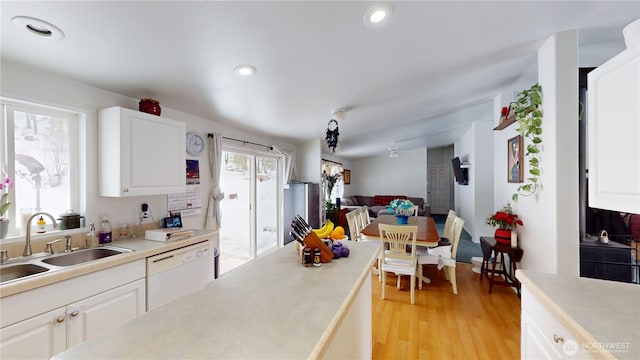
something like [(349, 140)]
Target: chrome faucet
[(68, 246), (27, 241)]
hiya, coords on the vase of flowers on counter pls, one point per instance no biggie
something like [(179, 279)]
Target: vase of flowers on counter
[(402, 209), (505, 221)]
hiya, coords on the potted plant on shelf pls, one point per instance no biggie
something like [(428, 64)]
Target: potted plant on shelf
[(505, 221), (4, 206), (529, 117), (402, 209)]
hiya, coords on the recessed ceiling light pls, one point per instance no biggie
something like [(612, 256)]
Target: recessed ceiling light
[(245, 70), (377, 14), (38, 27)]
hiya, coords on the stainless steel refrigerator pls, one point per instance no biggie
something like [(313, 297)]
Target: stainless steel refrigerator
[(301, 199)]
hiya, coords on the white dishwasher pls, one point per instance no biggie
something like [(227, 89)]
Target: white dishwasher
[(176, 273)]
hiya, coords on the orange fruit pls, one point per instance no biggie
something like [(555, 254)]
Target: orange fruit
[(339, 229), (336, 234)]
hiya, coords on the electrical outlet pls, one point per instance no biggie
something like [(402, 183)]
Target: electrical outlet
[(145, 215)]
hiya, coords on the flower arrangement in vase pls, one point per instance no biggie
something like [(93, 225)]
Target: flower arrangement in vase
[(331, 183), (505, 221), (402, 209)]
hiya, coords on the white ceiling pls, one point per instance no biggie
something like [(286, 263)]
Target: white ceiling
[(417, 81)]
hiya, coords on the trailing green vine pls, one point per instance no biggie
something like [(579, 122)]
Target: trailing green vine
[(529, 117)]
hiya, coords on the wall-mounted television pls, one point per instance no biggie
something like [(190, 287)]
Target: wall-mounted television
[(461, 174)]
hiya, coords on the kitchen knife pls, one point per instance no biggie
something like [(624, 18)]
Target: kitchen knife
[(296, 226), (296, 237), (304, 227)]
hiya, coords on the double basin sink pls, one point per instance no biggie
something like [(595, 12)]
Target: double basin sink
[(34, 265)]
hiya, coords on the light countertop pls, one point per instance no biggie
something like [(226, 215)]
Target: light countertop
[(595, 311), (271, 307), (142, 249)]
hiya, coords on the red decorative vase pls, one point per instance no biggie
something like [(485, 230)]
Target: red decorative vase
[(503, 236), (150, 106)]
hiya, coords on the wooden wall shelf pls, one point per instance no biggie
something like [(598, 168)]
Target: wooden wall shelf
[(508, 121)]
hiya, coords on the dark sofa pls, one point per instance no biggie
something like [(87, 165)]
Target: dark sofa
[(377, 204)]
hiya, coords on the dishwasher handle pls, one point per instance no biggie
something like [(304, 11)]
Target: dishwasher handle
[(155, 261)]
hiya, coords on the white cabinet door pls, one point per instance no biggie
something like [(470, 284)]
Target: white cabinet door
[(542, 335), (39, 337), (614, 130), (140, 154), (533, 344), (104, 312)]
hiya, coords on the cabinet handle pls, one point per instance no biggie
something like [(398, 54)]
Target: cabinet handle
[(558, 339), (74, 314), (60, 319), (125, 190)]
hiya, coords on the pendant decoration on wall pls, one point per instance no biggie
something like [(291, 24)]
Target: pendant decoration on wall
[(332, 134)]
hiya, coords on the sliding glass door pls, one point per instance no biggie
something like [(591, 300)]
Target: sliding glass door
[(249, 209)]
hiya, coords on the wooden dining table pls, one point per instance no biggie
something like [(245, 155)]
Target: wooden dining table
[(427, 232)]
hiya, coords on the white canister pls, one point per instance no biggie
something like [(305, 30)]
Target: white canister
[(514, 239)]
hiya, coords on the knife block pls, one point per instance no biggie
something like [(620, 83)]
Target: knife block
[(312, 240)]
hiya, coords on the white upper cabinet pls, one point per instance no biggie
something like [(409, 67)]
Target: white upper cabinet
[(140, 154), (614, 133)]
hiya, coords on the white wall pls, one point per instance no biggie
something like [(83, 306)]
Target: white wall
[(550, 233), (21, 82), (474, 202), (308, 161), (381, 175), (465, 194), (482, 166)]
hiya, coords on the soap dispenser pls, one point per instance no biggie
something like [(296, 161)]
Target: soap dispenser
[(91, 236)]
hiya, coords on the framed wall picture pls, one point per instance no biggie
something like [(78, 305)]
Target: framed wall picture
[(514, 159), (347, 177)]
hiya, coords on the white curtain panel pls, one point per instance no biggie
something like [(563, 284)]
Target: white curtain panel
[(213, 219)]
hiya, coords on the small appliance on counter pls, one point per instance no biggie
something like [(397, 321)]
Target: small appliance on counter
[(167, 234)]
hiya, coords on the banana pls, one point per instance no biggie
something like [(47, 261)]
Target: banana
[(322, 229), (328, 228)]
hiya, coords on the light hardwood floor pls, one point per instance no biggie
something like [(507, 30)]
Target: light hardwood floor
[(440, 325)]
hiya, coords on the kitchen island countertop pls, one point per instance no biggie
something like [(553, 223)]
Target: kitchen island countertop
[(604, 315), (272, 307)]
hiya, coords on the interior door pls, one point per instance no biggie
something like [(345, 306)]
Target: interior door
[(249, 209), (439, 189)]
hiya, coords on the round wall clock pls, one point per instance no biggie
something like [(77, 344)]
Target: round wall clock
[(195, 143)]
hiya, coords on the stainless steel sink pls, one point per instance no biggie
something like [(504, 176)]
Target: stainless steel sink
[(82, 256), (13, 272)]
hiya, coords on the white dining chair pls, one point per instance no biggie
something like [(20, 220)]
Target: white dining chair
[(442, 256), (354, 224), (448, 225), (364, 214), (396, 259)]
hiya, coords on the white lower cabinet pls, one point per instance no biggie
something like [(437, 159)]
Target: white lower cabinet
[(40, 337), (542, 334), (91, 317), (40, 323)]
